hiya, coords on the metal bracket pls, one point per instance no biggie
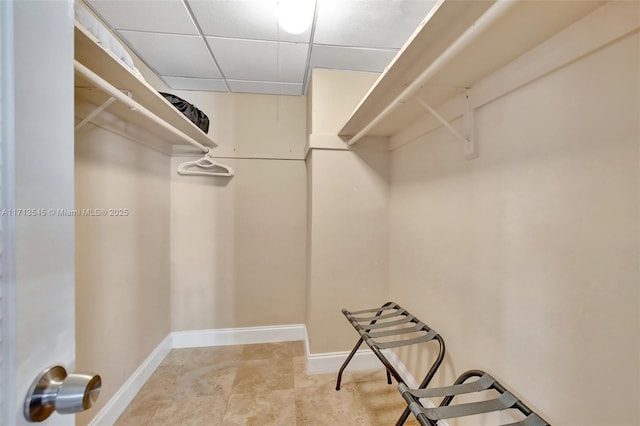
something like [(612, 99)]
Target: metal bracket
[(468, 138)]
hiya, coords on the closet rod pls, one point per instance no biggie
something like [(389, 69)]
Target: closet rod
[(108, 88), (497, 11)]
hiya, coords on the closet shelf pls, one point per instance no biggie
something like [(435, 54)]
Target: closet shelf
[(457, 45), (92, 56)]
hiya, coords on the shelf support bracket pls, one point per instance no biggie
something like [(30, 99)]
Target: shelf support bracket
[(468, 138), (469, 123), (130, 95), (95, 112)]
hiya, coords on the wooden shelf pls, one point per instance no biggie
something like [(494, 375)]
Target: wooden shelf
[(93, 56), (519, 27)]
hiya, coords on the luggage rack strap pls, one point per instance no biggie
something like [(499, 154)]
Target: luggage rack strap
[(385, 307), (431, 334), (404, 320), (481, 384), (378, 317), (503, 402), (532, 420), (375, 334)]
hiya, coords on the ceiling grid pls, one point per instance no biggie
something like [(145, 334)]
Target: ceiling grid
[(238, 46)]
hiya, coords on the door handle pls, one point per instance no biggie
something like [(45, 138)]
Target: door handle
[(55, 390)]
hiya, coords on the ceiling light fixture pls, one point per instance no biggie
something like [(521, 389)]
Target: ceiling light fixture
[(295, 16)]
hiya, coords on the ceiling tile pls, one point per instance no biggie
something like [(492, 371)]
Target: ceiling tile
[(369, 23), (173, 55), (204, 84), (246, 19), (260, 60), (167, 16), (265, 87), (292, 61), (348, 58)]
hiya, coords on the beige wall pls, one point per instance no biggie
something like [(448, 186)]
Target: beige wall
[(238, 244), (248, 125), (526, 259), (348, 214), (333, 96), (349, 242), (122, 263)]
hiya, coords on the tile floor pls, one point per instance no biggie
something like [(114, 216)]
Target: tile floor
[(263, 384)]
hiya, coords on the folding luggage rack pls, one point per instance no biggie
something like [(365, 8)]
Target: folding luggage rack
[(391, 326), (429, 416), (381, 331)]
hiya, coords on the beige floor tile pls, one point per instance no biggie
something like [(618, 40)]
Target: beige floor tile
[(138, 413), (163, 382), (377, 375), (324, 406), (302, 380), (275, 408), (204, 381), (263, 375), (273, 350), (383, 402), (198, 411), (220, 356), (259, 385)]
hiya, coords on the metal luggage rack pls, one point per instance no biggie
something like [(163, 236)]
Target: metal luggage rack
[(429, 416), (391, 326), (381, 331)]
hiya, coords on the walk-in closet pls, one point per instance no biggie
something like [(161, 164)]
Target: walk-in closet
[(379, 212)]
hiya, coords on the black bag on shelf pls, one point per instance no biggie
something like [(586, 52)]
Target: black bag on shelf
[(198, 117)]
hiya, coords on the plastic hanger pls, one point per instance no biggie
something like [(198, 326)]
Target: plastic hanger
[(204, 163)]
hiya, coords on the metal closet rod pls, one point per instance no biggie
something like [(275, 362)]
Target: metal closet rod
[(485, 21), (108, 88)]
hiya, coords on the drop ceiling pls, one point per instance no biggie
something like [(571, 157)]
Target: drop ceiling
[(238, 45)]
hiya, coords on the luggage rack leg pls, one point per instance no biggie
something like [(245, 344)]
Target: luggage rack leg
[(353, 352), (346, 361), (427, 378)]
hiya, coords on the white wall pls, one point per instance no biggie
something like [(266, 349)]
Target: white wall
[(526, 259), (44, 257)]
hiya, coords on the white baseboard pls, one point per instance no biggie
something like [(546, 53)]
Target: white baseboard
[(123, 397), (393, 359), (364, 359), (331, 362), (238, 336), (409, 380)]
